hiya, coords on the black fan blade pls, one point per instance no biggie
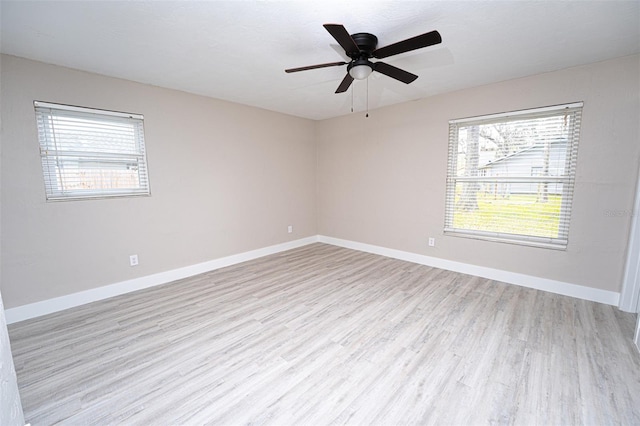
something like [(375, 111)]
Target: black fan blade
[(417, 42), (346, 82), (343, 38), (313, 67), (394, 72)]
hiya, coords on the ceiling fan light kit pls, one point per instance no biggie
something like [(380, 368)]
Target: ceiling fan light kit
[(360, 71), (361, 47)]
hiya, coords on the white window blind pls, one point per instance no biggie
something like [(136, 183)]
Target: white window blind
[(511, 176), (90, 153)]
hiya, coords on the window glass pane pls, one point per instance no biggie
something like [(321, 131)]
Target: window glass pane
[(497, 208), (84, 173), (514, 148), (88, 134)]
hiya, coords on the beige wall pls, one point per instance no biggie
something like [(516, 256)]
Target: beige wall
[(381, 180), (225, 179)]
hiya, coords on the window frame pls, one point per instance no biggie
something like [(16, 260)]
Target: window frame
[(567, 180), (56, 152)]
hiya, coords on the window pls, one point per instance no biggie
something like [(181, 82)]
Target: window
[(510, 176), (90, 153)]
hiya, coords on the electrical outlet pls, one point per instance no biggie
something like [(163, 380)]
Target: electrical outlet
[(133, 260), (432, 242), (289, 229)]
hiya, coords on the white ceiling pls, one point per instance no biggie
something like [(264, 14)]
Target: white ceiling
[(238, 50)]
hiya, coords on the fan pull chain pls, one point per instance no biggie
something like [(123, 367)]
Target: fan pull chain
[(352, 98), (367, 116)]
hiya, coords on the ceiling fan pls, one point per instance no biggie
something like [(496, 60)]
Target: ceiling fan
[(361, 47)]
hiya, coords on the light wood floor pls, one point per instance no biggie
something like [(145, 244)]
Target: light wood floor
[(326, 335)]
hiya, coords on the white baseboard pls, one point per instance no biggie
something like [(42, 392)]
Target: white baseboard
[(48, 306), (552, 286), (61, 303)]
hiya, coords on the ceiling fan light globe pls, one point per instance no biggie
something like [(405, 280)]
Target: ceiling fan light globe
[(360, 72)]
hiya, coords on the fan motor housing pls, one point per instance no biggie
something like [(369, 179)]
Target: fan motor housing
[(366, 42)]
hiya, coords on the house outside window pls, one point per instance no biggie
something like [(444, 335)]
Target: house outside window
[(511, 176), (88, 153)]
